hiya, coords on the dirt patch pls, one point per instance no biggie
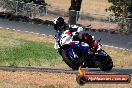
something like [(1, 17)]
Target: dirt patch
[(59, 80), (26, 36), (92, 13), (120, 57), (92, 6), (7, 42), (38, 78)]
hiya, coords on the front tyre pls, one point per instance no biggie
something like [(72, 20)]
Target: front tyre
[(107, 64), (69, 61)]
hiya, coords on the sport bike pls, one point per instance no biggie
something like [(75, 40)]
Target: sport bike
[(76, 53)]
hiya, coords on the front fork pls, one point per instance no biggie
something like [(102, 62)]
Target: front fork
[(76, 55), (72, 53)]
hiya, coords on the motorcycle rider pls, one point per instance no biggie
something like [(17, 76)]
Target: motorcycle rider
[(77, 54), (76, 31), (59, 26)]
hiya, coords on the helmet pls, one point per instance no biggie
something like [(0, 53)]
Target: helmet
[(58, 20), (59, 23)]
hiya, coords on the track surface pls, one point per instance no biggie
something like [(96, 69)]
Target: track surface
[(68, 71), (121, 41)]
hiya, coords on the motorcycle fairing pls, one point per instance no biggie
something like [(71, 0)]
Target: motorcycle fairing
[(80, 48)]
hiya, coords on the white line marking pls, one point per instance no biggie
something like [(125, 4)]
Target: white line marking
[(37, 33), (26, 31), (13, 29), (7, 28), (18, 30), (50, 35), (32, 32), (43, 34), (117, 47)]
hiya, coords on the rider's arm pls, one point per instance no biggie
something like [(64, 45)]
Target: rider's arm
[(56, 27)]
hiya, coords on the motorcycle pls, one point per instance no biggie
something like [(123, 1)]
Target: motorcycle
[(76, 53)]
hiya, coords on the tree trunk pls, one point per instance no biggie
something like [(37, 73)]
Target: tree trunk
[(75, 5), (74, 11)]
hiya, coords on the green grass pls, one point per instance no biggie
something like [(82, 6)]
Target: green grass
[(29, 51)]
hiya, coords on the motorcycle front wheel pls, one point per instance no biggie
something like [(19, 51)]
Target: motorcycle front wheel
[(106, 64)]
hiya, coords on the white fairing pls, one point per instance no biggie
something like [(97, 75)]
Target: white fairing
[(63, 39), (56, 46)]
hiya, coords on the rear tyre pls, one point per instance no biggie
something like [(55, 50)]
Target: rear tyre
[(69, 61)]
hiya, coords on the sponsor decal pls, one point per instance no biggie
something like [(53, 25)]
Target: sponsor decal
[(84, 78)]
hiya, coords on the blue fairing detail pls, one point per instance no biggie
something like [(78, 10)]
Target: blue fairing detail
[(70, 52), (84, 50)]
